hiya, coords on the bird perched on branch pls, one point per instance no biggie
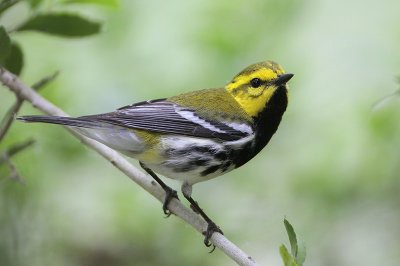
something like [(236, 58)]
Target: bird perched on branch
[(194, 136)]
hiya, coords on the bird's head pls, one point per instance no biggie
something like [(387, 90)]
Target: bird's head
[(253, 87)]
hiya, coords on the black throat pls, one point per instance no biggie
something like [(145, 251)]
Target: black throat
[(268, 120), (266, 124)]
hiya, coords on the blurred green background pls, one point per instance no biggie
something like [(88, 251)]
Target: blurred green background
[(333, 168)]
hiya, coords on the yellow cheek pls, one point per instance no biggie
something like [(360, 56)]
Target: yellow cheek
[(253, 106), (255, 92)]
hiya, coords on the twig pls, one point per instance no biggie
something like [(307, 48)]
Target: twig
[(14, 149), (12, 112), (380, 103), (9, 118), (44, 81), (14, 175), (220, 241), (5, 157)]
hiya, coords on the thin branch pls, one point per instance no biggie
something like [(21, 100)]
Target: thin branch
[(16, 148), (9, 118), (381, 102), (5, 158), (44, 81), (12, 112), (186, 214), (14, 175)]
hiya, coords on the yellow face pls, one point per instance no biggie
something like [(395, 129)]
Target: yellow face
[(254, 86)]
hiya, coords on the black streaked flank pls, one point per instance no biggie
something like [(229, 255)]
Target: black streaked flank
[(226, 166), (199, 162), (210, 170), (203, 149), (222, 155), (184, 168)]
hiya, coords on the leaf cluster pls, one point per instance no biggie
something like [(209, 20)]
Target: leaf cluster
[(42, 19), (297, 254)]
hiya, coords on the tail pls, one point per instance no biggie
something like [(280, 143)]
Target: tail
[(116, 137), (59, 120)]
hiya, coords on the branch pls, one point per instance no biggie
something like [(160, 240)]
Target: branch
[(16, 148), (45, 81), (186, 214), (14, 175), (5, 158), (9, 118), (10, 115)]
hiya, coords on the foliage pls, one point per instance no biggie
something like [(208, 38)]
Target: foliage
[(49, 22), (66, 25), (297, 254), (12, 58)]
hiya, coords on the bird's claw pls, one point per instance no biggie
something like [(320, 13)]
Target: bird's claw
[(169, 195), (211, 229)]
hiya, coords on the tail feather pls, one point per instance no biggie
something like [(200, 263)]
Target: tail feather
[(59, 120), (118, 138)]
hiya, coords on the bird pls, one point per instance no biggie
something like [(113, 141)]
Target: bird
[(194, 136)]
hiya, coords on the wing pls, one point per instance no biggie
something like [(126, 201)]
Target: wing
[(168, 117)]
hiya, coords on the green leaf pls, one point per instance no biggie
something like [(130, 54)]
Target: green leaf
[(292, 237), (298, 252), (66, 25), (15, 60), (5, 44), (108, 3), (287, 258)]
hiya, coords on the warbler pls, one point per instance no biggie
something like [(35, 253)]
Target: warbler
[(194, 136)]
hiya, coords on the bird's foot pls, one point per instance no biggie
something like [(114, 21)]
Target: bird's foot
[(211, 229), (169, 195)]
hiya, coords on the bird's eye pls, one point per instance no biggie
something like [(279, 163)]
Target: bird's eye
[(255, 83)]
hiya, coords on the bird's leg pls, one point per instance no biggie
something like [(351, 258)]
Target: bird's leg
[(169, 192), (211, 226)]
